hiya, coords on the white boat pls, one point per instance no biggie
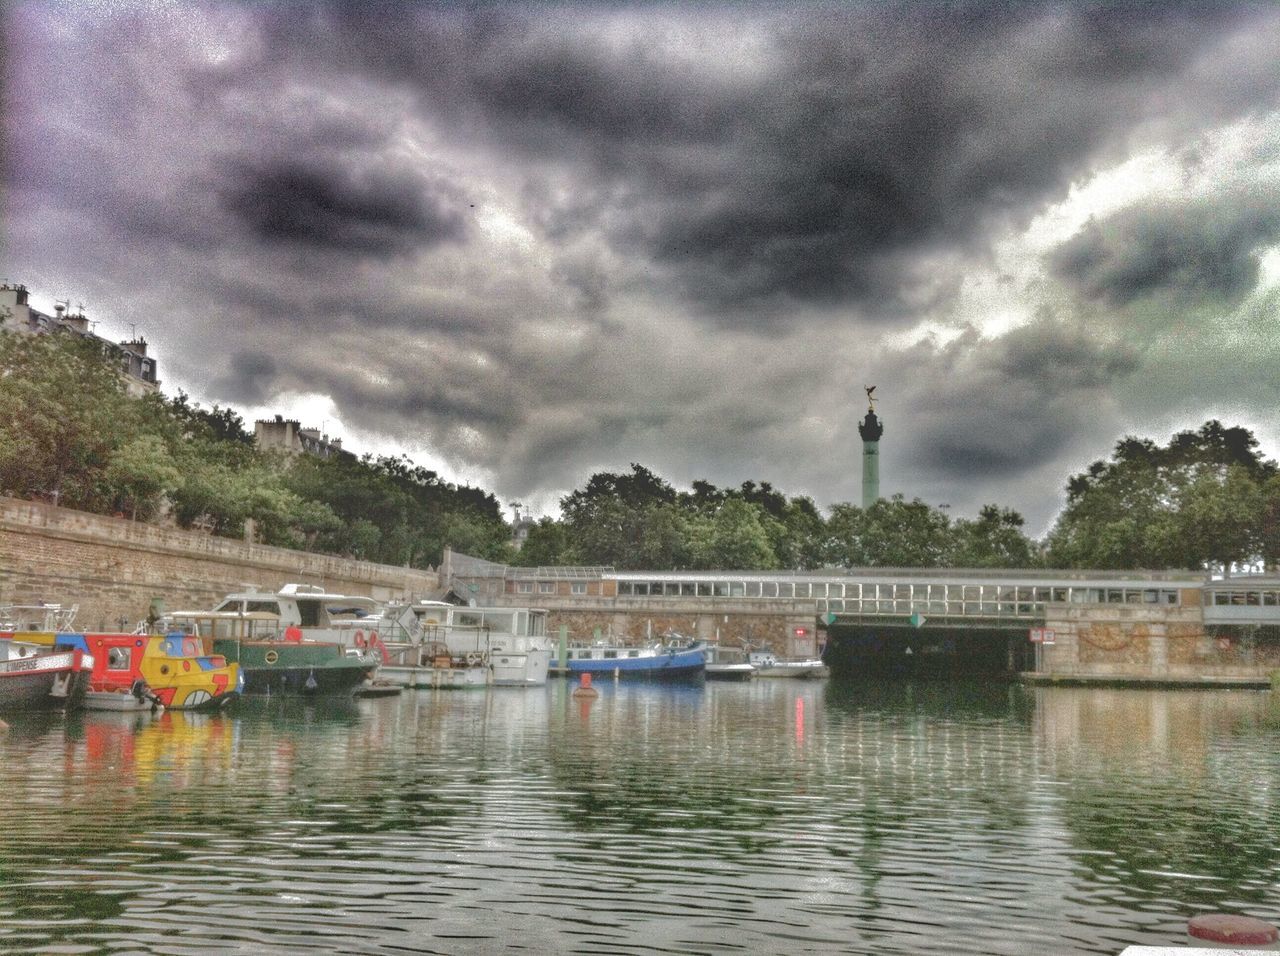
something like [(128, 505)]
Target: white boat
[(769, 665), (728, 663), (421, 644)]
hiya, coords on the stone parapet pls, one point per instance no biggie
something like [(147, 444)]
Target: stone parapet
[(114, 568)]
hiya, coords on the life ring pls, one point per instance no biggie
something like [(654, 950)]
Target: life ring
[(271, 657), (360, 641), (475, 658), (375, 643)]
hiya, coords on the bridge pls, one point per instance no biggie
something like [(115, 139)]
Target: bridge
[(1141, 624)]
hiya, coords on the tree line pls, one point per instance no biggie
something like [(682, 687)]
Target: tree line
[(70, 434)]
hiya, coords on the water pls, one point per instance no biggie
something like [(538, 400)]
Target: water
[(773, 817)]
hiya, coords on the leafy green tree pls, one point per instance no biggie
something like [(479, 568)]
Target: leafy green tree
[(1201, 500), (734, 536), (140, 473), (547, 545), (63, 413), (993, 540)]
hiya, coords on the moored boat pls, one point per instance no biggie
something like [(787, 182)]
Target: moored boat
[(146, 672), (728, 663), (769, 665), (33, 676), (274, 661), (655, 661)]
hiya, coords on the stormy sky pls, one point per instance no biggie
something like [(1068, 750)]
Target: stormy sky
[(523, 243)]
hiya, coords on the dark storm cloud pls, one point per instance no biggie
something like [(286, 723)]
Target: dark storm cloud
[(329, 207), (820, 160), (1002, 408), (1200, 251), (540, 240)]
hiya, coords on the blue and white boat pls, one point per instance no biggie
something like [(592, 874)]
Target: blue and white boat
[(653, 661)]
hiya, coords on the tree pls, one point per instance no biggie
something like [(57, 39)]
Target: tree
[(734, 537), (140, 473), (994, 540), (63, 412), (1201, 500)]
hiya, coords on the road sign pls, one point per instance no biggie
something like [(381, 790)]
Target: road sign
[(831, 617), (918, 619), (1042, 635)]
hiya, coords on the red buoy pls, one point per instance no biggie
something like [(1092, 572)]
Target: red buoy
[(1229, 928), (584, 688)]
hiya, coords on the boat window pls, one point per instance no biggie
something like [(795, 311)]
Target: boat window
[(609, 655), (118, 659), (309, 613), (271, 607), (633, 653), (228, 605)]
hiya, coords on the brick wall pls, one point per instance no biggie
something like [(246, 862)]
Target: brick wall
[(113, 568)]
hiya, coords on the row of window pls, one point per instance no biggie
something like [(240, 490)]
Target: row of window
[(549, 587), (1246, 598), (896, 593)]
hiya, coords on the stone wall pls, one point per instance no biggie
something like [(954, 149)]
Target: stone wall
[(1160, 642), (114, 568)]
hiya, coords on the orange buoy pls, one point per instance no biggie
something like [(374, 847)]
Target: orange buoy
[(1229, 928), (584, 688)]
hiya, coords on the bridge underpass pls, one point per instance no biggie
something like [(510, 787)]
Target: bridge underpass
[(896, 649)]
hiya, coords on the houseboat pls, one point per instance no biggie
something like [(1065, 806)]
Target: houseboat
[(274, 658), (656, 661), (147, 671)]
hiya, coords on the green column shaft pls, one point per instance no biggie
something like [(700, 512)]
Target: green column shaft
[(870, 473)]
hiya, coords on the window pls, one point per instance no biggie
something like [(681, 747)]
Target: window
[(633, 653), (704, 589), (118, 659), (309, 613), (610, 655), (753, 589), (688, 589), (737, 589), (720, 589), (524, 587), (624, 587), (802, 590), (271, 607), (770, 589), (546, 587), (578, 587), (785, 589)]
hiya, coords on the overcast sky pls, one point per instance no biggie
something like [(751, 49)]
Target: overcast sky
[(523, 243)]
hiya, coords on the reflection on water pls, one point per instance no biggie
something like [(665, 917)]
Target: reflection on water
[(763, 817)]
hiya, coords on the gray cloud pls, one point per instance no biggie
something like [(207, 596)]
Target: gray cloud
[(535, 241), (327, 207), (1206, 250)]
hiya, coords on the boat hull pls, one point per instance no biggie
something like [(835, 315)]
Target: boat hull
[(437, 678), (44, 681), (682, 664), (738, 672), (303, 669)]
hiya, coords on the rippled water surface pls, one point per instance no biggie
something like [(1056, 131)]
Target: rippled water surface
[(773, 817)]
